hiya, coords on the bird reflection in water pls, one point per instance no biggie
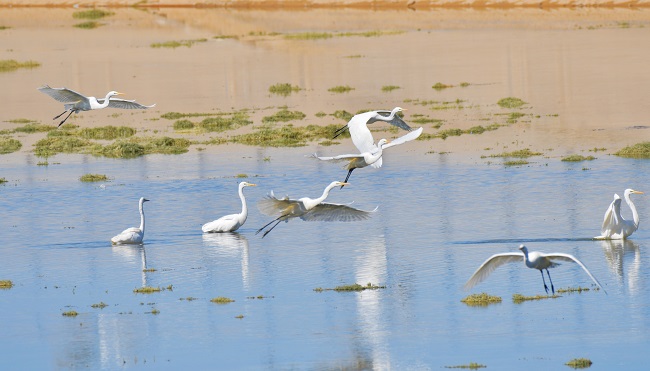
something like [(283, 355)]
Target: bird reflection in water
[(616, 251), (231, 244)]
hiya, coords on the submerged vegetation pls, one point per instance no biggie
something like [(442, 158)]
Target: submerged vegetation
[(286, 136), (511, 102), (353, 287), (340, 89), (176, 44), (518, 298), (147, 290), (93, 178), (639, 150), (284, 89), (91, 14), (70, 313), (329, 35), (577, 158), (9, 65), (471, 366), (9, 145), (577, 363), (481, 300), (221, 300), (88, 25), (131, 148), (6, 284)]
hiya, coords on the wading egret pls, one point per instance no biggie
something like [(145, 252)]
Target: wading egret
[(373, 157), (308, 209), (132, 235), (75, 102), (359, 132), (533, 259), (232, 222), (614, 226)]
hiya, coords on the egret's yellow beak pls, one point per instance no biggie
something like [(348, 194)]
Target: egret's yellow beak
[(252, 185), (344, 184), (638, 192), (118, 93)]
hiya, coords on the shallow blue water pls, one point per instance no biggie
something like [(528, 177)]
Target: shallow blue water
[(439, 218)]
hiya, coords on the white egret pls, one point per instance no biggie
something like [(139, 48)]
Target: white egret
[(614, 226), (308, 209), (358, 126), (132, 235), (75, 102), (232, 222), (533, 259), (372, 157)]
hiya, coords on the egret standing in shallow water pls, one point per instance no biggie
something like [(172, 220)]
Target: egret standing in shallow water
[(132, 235), (614, 226), (232, 222), (533, 259), (308, 209), (372, 157), (75, 102), (358, 126)]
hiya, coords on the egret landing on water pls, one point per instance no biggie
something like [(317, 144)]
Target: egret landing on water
[(308, 209), (373, 157), (232, 222), (533, 259), (614, 226), (132, 235), (75, 102), (358, 126)]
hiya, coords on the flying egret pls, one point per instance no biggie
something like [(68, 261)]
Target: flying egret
[(614, 226), (358, 126), (308, 209), (533, 259), (75, 102), (232, 222), (132, 235), (371, 157)]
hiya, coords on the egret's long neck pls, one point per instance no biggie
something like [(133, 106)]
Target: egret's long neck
[(106, 101), (326, 192), (635, 215), (141, 218), (244, 208)]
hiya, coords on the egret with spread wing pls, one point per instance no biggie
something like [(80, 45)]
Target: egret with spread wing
[(533, 260), (614, 226), (232, 222), (75, 102), (358, 126), (308, 209), (132, 235), (372, 157)]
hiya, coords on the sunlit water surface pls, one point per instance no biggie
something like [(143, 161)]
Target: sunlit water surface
[(438, 219)]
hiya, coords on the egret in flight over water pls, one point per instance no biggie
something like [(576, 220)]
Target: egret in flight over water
[(614, 226), (75, 102), (232, 222), (372, 157), (358, 126), (533, 259), (132, 235), (308, 209)]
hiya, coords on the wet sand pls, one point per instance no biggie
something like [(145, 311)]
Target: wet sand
[(582, 71)]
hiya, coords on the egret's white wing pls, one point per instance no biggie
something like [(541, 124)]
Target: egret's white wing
[(124, 104), (611, 217), (62, 94), (404, 138), (396, 121), (492, 263), (223, 224), (571, 258), (130, 235), (271, 206), (360, 134), (339, 157), (326, 212)]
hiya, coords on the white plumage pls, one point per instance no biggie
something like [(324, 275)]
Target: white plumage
[(232, 222), (132, 235)]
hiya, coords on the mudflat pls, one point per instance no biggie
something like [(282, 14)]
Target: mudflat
[(581, 73)]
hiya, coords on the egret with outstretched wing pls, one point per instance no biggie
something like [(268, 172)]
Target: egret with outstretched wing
[(534, 260), (75, 102), (358, 126), (614, 226)]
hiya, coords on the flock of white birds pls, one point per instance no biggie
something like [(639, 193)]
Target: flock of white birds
[(315, 209)]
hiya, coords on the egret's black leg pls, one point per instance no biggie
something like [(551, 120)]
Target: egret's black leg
[(550, 280), (339, 131), (71, 112), (270, 229), (347, 177), (60, 115), (543, 280), (266, 225)]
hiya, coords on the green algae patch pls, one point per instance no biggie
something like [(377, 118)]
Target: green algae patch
[(286, 136), (571, 290), (10, 65), (511, 102), (3, 180), (91, 14), (6, 284), (578, 158), (70, 313), (88, 25), (481, 300), (340, 89), (441, 86), (389, 88), (522, 153), (177, 44), (9, 145), (221, 300), (106, 132), (639, 150), (147, 290), (329, 35), (471, 366), (518, 298), (93, 178), (120, 149), (353, 287), (52, 145), (284, 115), (577, 363), (284, 89), (32, 127), (100, 305), (516, 163)]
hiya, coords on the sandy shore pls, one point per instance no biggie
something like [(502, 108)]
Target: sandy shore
[(580, 71)]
